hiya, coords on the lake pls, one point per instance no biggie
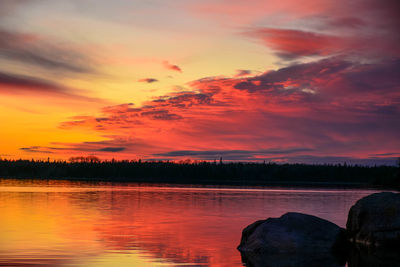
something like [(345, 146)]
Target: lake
[(64, 223)]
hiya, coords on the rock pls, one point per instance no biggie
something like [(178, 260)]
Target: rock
[(292, 232), (359, 257), (374, 221), (294, 238)]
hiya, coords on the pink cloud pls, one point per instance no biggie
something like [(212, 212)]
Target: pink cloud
[(346, 22), (365, 29), (170, 66), (294, 43), (332, 108), (253, 10), (291, 44)]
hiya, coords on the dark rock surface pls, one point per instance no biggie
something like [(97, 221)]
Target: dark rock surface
[(294, 239), (293, 260), (374, 222), (359, 257)]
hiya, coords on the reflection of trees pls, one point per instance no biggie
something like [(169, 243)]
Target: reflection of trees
[(168, 225), (187, 225), (199, 172), (175, 224)]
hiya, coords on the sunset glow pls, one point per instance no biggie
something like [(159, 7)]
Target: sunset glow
[(313, 81)]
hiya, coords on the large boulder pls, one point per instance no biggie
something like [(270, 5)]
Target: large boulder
[(294, 238), (374, 221)]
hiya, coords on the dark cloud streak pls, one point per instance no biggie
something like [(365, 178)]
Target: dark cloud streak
[(16, 84), (231, 153), (33, 50), (112, 149), (148, 80)]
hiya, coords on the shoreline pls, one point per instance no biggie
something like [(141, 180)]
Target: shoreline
[(206, 173), (216, 183)]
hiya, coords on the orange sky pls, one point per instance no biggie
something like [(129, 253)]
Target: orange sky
[(288, 81)]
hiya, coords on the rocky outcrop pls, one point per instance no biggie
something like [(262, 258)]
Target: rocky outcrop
[(374, 221), (293, 238)]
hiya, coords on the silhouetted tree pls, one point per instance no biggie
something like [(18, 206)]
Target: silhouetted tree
[(201, 172), (398, 170)]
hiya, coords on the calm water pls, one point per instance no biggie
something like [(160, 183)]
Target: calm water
[(60, 223)]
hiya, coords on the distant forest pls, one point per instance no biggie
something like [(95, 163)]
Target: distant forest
[(195, 172)]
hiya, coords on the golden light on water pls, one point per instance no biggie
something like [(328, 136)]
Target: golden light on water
[(61, 223)]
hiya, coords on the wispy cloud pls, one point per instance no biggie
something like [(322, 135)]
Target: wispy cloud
[(112, 149), (148, 80), (14, 84), (366, 28), (37, 149), (231, 154), (346, 22), (292, 44), (83, 148), (126, 115), (170, 66), (240, 73), (34, 50)]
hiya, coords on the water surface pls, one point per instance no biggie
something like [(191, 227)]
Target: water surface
[(63, 223)]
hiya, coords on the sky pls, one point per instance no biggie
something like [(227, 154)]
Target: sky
[(305, 81)]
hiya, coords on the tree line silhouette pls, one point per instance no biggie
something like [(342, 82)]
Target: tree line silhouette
[(202, 172)]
